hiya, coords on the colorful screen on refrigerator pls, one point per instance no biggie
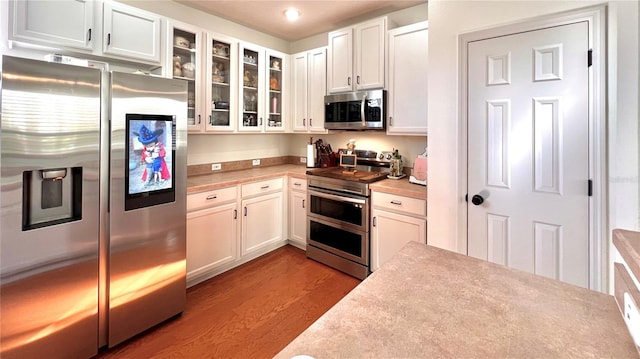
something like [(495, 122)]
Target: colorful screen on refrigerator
[(150, 154)]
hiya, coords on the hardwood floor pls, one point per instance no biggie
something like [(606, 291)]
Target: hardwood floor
[(252, 311)]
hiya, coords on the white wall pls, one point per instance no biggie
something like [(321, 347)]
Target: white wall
[(448, 19)]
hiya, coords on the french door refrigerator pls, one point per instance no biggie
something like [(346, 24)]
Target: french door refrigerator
[(93, 204)]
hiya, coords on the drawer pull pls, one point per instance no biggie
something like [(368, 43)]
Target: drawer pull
[(213, 196), (264, 187), (297, 184), (397, 203)]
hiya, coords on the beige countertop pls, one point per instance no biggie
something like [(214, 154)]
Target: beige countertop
[(628, 245), (213, 181), (430, 303), (225, 179)]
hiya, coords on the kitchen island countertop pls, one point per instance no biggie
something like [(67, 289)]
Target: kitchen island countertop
[(431, 303)]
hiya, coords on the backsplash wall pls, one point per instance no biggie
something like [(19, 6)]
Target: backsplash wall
[(203, 149)]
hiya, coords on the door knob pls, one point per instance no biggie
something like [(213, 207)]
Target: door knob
[(479, 198)]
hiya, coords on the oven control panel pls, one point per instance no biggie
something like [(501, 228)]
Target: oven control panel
[(368, 155)]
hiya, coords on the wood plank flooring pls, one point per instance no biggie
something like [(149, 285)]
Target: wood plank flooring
[(252, 311)]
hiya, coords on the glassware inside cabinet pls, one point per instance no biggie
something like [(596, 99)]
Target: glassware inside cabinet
[(250, 92), (275, 92), (220, 79), (185, 63)]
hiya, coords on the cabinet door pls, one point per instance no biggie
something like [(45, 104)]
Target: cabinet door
[(298, 217), (64, 23), (276, 84), (261, 222), (131, 33), (407, 101), (390, 232), (317, 85), (340, 62), (370, 54), (211, 239), (250, 102), (299, 92), (220, 81), (186, 53)]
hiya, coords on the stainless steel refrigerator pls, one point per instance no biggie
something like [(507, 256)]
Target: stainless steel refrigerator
[(93, 205)]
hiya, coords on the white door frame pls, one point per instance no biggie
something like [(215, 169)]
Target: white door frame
[(598, 221)]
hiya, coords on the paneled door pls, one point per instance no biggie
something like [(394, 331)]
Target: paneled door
[(528, 151)]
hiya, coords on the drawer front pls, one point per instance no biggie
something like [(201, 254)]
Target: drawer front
[(297, 184), (211, 198), (399, 203), (267, 186)]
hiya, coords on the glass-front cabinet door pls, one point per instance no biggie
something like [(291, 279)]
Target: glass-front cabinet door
[(275, 85), (250, 102), (221, 74), (185, 65)]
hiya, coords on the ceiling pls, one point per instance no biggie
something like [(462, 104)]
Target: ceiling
[(316, 16)]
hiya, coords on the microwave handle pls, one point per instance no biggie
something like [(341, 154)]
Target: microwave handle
[(364, 122)]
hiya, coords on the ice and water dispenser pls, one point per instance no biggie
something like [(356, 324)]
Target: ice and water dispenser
[(51, 196)]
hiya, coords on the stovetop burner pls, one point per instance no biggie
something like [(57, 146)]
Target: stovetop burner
[(341, 174)]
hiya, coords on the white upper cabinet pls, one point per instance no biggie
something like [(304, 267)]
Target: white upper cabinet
[(65, 23), (309, 87), (127, 32), (356, 57), (131, 33), (220, 85), (262, 83), (407, 80)]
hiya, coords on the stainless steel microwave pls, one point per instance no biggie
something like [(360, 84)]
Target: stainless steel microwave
[(364, 110)]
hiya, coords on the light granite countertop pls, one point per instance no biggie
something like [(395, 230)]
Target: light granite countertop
[(213, 181), (431, 303)]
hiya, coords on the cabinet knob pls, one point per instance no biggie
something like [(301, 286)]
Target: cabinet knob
[(390, 121), (245, 211), (89, 35), (349, 80), (374, 222), (304, 122), (310, 122), (235, 214), (108, 39), (358, 79), (199, 119), (303, 203)]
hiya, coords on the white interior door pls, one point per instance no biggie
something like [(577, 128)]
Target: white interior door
[(528, 151)]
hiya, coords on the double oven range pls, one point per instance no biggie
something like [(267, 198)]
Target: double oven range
[(338, 213)]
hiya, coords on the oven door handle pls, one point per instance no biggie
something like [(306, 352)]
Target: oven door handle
[(337, 198), (364, 120)]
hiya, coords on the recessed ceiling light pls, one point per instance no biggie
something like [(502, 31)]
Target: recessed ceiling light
[(292, 14)]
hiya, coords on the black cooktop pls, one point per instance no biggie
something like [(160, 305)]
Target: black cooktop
[(341, 174)]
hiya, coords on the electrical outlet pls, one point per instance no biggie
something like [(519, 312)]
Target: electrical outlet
[(303, 160), (632, 317), (256, 162), (216, 166)]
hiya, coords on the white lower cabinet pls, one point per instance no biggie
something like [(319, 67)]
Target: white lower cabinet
[(298, 212), (211, 238), (212, 232), (262, 215), (395, 221)]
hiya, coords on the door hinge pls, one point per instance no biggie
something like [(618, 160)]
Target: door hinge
[(589, 58), (590, 188)]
